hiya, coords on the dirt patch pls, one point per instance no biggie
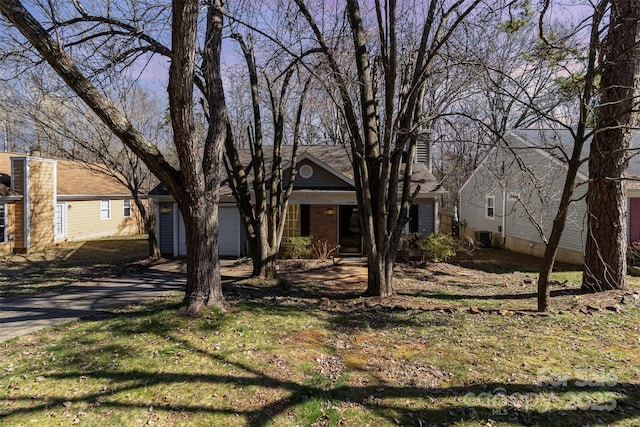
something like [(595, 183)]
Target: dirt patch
[(496, 281)]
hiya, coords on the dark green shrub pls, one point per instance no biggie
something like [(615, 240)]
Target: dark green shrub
[(298, 247), (436, 247)]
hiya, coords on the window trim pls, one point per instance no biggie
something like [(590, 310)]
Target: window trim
[(126, 202), (305, 171), (102, 209), (3, 219), (491, 206), (292, 223)]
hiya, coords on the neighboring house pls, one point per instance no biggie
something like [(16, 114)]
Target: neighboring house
[(8, 201), (323, 205), (44, 201), (513, 196)]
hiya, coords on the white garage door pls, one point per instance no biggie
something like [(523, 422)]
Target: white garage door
[(228, 233)]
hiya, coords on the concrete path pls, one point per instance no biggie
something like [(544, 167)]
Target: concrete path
[(20, 316)]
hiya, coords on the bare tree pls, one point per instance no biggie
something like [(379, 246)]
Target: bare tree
[(605, 262), (581, 133), (573, 52), (195, 185), (263, 200), (64, 128), (382, 105), (503, 83)]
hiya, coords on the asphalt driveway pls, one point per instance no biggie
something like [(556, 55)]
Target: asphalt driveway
[(22, 315)]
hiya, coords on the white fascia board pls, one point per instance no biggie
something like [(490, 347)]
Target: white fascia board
[(79, 197), (323, 197)]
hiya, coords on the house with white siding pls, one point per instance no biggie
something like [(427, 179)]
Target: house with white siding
[(44, 201), (323, 205), (511, 199)]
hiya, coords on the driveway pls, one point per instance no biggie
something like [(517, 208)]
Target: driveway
[(22, 315)]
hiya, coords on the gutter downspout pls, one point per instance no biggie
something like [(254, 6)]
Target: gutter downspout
[(504, 217), (460, 221)]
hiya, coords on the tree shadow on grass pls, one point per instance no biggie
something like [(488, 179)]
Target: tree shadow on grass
[(582, 401), (510, 403), (59, 266)]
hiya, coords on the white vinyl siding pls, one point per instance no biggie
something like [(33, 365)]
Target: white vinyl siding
[(105, 209), (532, 197), (126, 212)]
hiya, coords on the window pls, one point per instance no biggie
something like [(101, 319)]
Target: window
[(59, 220), (491, 204), (3, 223), (291, 223), (414, 219), (306, 171), (105, 209), (127, 208)]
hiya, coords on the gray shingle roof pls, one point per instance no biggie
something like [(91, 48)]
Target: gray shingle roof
[(336, 157), (559, 143)]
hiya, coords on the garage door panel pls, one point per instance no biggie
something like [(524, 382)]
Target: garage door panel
[(228, 233)]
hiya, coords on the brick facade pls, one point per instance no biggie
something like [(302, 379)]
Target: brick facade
[(322, 226)]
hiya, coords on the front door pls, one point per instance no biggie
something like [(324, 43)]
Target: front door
[(349, 233)]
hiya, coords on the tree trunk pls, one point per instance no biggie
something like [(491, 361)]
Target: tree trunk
[(201, 174), (380, 276), (550, 252), (150, 228), (265, 267), (605, 262), (204, 284), (264, 260), (574, 162), (559, 222)]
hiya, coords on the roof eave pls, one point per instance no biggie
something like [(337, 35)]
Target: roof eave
[(77, 197)]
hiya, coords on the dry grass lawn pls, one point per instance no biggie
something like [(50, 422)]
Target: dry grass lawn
[(459, 345)]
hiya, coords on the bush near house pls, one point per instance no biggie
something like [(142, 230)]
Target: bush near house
[(298, 247), (432, 248)]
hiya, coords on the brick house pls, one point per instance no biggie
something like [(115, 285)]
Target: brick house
[(44, 201), (323, 205)]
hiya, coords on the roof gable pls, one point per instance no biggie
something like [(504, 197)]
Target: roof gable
[(557, 145), (322, 175), (73, 178), (332, 169)]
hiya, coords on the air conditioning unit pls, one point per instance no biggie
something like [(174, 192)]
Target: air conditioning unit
[(484, 238)]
